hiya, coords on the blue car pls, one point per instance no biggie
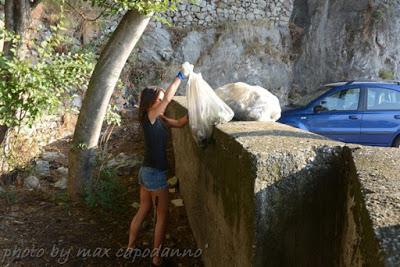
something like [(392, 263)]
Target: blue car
[(360, 112)]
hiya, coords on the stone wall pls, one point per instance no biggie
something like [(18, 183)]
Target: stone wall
[(266, 194), (211, 12)]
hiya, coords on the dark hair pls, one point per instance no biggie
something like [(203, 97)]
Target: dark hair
[(147, 98)]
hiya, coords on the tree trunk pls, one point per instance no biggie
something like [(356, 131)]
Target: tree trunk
[(97, 97), (17, 15)]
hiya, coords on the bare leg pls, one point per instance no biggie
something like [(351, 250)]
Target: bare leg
[(145, 207), (161, 223)]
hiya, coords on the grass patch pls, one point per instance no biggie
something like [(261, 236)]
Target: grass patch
[(9, 196)]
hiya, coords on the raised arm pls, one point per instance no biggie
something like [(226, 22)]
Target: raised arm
[(171, 90)]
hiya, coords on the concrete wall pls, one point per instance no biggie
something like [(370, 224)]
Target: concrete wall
[(265, 194)]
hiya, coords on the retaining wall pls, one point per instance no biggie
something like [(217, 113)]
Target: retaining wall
[(266, 194)]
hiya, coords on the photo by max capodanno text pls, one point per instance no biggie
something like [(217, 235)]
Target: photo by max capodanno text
[(63, 254)]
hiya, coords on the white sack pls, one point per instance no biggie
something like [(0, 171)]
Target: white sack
[(205, 108), (250, 103)]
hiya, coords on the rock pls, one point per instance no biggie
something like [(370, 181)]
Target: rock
[(32, 182), (52, 156), (161, 46), (254, 54), (173, 181), (333, 38), (77, 101), (42, 168), (62, 183), (124, 161), (195, 9), (2, 190), (135, 205), (177, 202), (62, 171), (89, 31), (172, 190)]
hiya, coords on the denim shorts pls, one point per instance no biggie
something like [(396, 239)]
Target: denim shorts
[(152, 179)]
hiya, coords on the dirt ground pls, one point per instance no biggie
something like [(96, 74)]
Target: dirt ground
[(42, 228)]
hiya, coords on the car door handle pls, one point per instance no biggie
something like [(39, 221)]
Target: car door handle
[(353, 117), (397, 117)]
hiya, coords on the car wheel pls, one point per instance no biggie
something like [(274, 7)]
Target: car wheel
[(397, 142)]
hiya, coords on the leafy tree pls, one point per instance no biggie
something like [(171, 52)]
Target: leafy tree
[(32, 87), (37, 85)]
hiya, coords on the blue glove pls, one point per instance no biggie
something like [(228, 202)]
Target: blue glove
[(186, 69), (181, 76)]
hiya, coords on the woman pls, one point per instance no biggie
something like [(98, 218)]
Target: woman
[(152, 174)]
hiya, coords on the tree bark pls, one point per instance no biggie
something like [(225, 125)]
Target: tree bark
[(17, 14), (97, 97)]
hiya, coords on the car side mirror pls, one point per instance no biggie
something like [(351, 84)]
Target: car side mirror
[(318, 109)]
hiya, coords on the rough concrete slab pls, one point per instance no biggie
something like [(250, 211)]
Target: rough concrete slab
[(378, 170), (266, 194)]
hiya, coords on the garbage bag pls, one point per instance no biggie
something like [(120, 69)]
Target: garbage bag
[(205, 108), (250, 103)]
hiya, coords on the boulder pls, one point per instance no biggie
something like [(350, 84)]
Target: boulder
[(31, 182), (42, 168)]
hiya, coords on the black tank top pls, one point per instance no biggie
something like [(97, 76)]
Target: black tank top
[(155, 139)]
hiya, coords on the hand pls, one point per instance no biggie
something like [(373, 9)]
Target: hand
[(186, 69)]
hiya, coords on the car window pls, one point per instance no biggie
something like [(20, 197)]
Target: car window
[(342, 100), (383, 99)]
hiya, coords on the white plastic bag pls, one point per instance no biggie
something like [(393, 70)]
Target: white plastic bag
[(250, 103), (205, 108)]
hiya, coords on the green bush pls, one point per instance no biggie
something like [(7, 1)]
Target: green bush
[(34, 86), (9, 196), (106, 192), (144, 7)]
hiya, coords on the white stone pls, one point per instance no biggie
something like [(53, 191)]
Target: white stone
[(77, 101), (250, 16), (202, 3), (262, 4), (42, 168), (31, 182), (177, 202), (195, 9), (62, 183)]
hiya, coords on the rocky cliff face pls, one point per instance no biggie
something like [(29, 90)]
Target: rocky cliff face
[(344, 40), (289, 47), (227, 41)]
